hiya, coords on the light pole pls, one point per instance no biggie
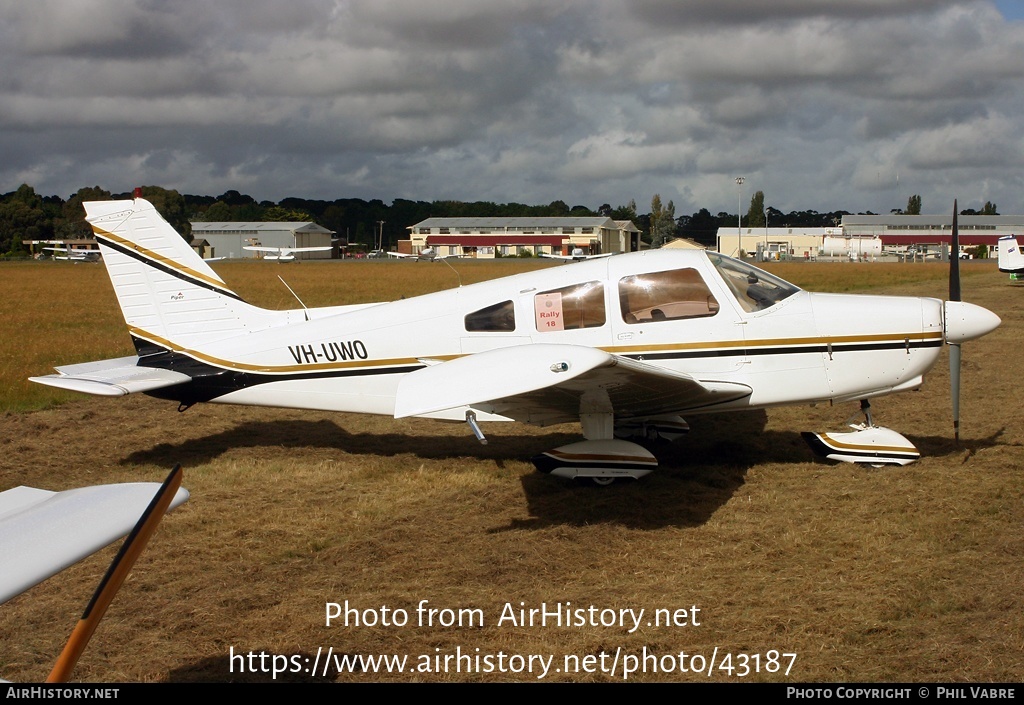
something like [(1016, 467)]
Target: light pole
[(765, 255), (739, 216)]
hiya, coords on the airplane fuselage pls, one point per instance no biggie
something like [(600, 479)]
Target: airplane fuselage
[(805, 347)]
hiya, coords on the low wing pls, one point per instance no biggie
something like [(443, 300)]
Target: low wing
[(400, 255), (111, 378), (74, 254), (286, 251), (42, 532), (544, 384), (576, 258)]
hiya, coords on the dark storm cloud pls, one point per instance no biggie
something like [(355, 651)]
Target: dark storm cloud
[(818, 103)]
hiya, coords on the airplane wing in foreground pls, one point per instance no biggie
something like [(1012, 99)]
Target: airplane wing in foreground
[(556, 384), (42, 532)]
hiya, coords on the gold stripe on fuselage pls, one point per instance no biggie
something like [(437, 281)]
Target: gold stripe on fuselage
[(281, 369), (782, 344)]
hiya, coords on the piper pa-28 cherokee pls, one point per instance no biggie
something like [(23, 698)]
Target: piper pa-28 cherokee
[(626, 345)]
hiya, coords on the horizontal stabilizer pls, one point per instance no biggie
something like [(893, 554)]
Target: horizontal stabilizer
[(42, 532), (111, 378)]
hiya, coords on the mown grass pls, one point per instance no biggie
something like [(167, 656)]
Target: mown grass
[(896, 574)]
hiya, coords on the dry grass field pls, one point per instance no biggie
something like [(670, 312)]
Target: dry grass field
[(896, 574)]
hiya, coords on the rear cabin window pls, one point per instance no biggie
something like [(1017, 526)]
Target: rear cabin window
[(579, 306), (496, 318), (665, 296)]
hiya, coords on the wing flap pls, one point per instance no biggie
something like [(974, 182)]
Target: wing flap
[(43, 532), (111, 378), (545, 384)]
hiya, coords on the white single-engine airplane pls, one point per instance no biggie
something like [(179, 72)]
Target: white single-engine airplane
[(577, 255), (625, 345), (427, 254), (282, 254), (74, 255), (1010, 259)]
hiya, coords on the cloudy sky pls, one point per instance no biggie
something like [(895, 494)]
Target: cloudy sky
[(821, 104)]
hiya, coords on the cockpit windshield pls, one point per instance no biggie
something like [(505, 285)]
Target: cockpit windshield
[(754, 288)]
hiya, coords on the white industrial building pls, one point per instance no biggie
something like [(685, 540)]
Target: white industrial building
[(932, 233), (774, 243), (870, 236)]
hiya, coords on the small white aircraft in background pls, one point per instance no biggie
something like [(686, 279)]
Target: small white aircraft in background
[(625, 345), (1011, 260), (42, 533), (74, 255), (427, 254), (577, 255), (282, 254)]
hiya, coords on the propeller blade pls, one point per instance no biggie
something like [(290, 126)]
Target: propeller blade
[(116, 573), (954, 349), (954, 261), (954, 387)]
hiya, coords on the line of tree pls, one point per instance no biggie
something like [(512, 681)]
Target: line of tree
[(914, 208), (25, 215)]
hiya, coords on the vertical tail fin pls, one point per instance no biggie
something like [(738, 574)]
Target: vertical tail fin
[(169, 296), (1010, 257)]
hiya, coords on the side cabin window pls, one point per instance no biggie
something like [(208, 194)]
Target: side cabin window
[(665, 296), (569, 308), (496, 318)]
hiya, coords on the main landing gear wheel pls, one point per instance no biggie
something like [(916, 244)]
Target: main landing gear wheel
[(602, 462)]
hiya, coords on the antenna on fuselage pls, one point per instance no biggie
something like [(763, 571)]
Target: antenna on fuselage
[(454, 270), (305, 310)]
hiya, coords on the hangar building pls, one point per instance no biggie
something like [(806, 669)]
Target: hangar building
[(227, 239)]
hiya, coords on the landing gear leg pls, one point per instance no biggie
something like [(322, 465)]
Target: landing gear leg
[(865, 408)]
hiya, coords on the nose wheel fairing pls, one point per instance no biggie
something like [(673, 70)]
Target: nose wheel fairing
[(871, 445)]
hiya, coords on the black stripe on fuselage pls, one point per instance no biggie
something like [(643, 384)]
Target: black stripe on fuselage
[(816, 348), (210, 381), (127, 251)]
